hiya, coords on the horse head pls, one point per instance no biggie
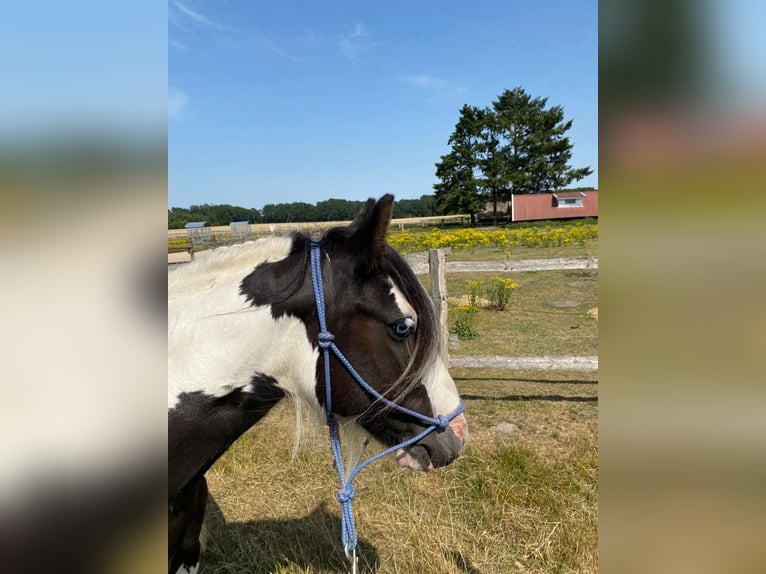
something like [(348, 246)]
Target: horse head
[(383, 321)]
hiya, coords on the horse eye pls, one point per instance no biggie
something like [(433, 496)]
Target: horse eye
[(403, 328)]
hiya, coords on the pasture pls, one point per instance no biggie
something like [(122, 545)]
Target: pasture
[(521, 498)]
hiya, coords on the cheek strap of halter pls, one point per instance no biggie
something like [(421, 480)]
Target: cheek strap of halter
[(326, 343)]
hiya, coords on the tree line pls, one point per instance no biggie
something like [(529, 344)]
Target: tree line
[(328, 210)]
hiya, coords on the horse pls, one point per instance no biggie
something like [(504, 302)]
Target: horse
[(249, 326)]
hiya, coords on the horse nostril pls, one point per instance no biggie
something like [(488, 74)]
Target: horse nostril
[(459, 426)]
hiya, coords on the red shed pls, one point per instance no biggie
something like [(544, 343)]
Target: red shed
[(559, 205)]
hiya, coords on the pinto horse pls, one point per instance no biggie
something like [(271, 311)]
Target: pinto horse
[(245, 330)]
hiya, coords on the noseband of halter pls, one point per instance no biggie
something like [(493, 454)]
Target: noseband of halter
[(325, 341)]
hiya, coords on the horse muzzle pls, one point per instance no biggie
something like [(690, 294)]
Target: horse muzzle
[(439, 448)]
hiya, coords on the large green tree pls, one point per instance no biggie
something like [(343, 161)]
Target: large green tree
[(459, 189), (517, 145)]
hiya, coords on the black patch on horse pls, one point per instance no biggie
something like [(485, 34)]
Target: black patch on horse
[(201, 427)]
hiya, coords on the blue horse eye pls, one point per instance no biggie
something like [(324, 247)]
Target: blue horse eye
[(403, 328)]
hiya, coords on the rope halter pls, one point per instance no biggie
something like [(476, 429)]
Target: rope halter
[(326, 343)]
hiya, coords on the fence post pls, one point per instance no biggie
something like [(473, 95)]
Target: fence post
[(437, 269)]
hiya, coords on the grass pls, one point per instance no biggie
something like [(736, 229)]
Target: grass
[(533, 324), (521, 502), (519, 253)]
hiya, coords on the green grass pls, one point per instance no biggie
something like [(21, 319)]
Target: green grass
[(525, 501), (532, 324), (519, 253)]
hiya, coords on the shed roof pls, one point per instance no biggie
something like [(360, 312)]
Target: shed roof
[(194, 224), (239, 223), (566, 194)]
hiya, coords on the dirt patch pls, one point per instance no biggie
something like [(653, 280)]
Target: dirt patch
[(504, 428), (578, 284), (566, 303), (593, 313), (464, 301)]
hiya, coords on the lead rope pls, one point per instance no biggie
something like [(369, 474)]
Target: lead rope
[(346, 493)]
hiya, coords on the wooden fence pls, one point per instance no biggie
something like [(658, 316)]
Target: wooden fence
[(434, 263)]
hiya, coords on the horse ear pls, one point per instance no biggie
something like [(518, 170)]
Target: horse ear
[(368, 230)]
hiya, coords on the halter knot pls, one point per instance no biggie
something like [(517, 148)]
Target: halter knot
[(325, 339), (346, 494), (442, 422)]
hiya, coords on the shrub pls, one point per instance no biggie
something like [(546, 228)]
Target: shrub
[(178, 242), (475, 291), (498, 292), (465, 323), (544, 236)]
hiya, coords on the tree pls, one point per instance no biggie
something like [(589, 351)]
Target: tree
[(459, 189), (425, 206), (536, 153), (515, 146), (337, 209), (275, 213)]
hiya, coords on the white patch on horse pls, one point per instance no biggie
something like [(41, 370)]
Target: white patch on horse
[(217, 340), (401, 302), (190, 570), (437, 381), (441, 388)]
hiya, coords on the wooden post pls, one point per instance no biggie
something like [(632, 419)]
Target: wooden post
[(437, 268)]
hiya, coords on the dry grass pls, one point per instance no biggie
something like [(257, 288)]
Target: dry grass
[(519, 502)]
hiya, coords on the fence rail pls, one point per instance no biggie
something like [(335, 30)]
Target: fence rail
[(498, 363)]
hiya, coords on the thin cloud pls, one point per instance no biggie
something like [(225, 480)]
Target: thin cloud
[(432, 83), (177, 101), (196, 16), (185, 18), (178, 46), (353, 44), (269, 45)]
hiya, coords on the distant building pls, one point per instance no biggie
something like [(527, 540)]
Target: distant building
[(558, 205), (199, 232), (240, 230)]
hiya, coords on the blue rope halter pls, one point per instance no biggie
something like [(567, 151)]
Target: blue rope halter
[(325, 340)]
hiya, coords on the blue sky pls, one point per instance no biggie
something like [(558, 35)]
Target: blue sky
[(82, 65), (279, 101)]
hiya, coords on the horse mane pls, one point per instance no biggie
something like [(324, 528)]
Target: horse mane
[(226, 262)]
